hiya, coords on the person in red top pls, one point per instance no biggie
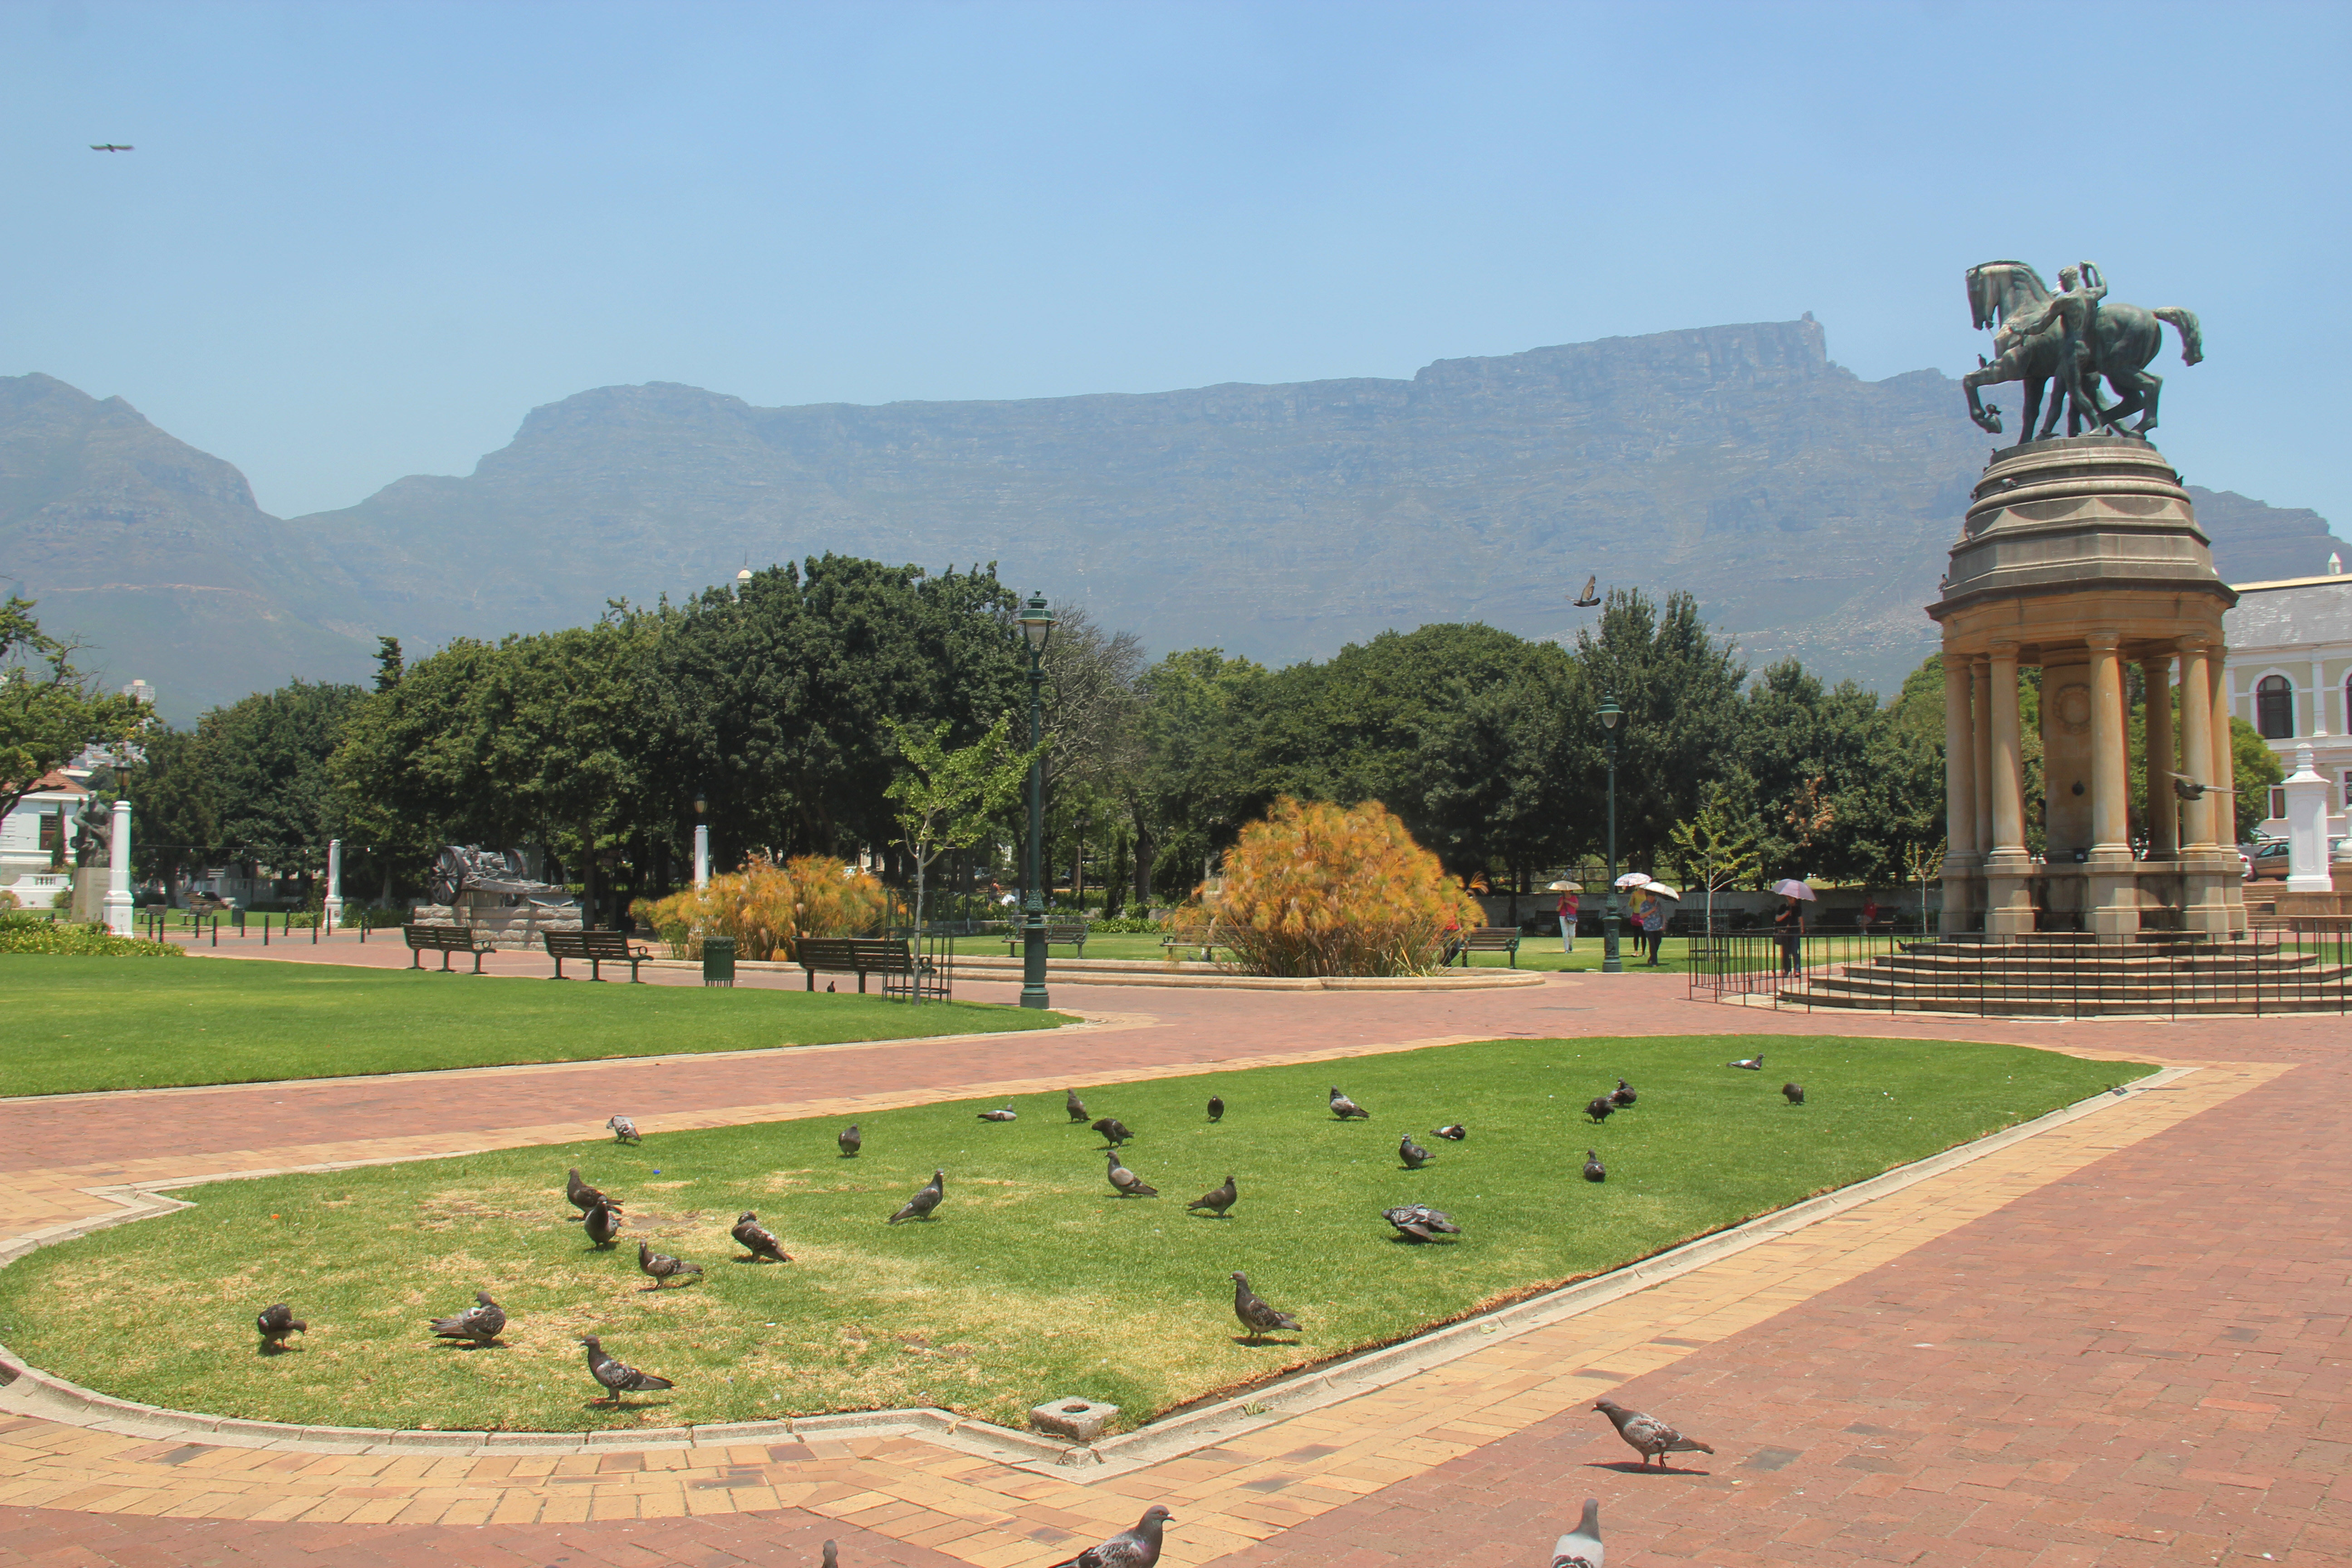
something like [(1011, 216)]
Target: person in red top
[(1569, 906)]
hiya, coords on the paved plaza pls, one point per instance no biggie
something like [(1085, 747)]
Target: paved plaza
[(2119, 1342)]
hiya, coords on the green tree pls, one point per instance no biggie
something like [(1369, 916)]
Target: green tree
[(173, 806), (1717, 847), (263, 761), (2254, 768), (950, 800), (48, 709), (1198, 710)]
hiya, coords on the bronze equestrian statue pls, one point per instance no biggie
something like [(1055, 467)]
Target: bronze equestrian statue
[(2072, 338)]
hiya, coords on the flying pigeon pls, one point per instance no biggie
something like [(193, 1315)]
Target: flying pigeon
[(1136, 1548), (1648, 1436), (757, 1239), (1112, 1128), (276, 1321), (603, 1223), (1421, 1221), (1074, 1105), (1216, 1108), (1585, 600), (1413, 1155), (1581, 1547), (662, 1266), (482, 1323), (1795, 1091), (849, 1141), (1258, 1318), (111, 147), (584, 1196), (1007, 1114), (623, 1131), (1753, 1064), (1216, 1201), (2187, 788), (1623, 1095), (1454, 1131), (1347, 1110), (920, 1206), (1601, 1107), (1129, 1183), (614, 1376), (1595, 1171)]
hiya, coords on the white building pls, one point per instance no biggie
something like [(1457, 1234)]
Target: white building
[(2289, 668), (37, 842)]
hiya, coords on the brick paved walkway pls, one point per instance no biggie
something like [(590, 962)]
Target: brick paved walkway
[(2120, 1346)]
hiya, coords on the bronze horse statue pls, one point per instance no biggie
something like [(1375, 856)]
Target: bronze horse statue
[(2122, 340)]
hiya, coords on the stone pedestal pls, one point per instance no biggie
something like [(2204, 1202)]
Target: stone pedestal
[(2307, 870), (121, 918), (331, 905)]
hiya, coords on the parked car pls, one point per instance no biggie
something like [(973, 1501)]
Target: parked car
[(2265, 862)]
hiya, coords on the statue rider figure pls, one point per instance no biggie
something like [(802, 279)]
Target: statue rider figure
[(2076, 310)]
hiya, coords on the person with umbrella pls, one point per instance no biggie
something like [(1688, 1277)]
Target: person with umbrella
[(1570, 906), (1789, 922), (1654, 919)]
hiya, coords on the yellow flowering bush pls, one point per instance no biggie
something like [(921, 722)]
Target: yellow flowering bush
[(766, 907)]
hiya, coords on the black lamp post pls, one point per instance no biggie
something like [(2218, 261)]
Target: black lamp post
[(1037, 625), (1610, 961)]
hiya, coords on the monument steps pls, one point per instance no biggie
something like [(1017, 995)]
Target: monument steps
[(2072, 978)]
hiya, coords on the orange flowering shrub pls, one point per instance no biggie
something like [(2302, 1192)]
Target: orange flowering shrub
[(835, 899), (766, 907), (1323, 889)]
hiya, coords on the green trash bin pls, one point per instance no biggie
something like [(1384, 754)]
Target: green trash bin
[(719, 961)]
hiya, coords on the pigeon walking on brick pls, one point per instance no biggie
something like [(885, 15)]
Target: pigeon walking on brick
[(1007, 1114), (849, 1141), (1136, 1548), (1581, 1547), (1217, 1200), (662, 1266), (1595, 1171), (1648, 1436), (1216, 1108), (623, 1131), (1258, 1318), (1753, 1064), (618, 1377), (1129, 1183), (920, 1206), (1601, 1108), (757, 1239), (1420, 1222), (481, 1323), (276, 1322), (1795, 1091), (1453, 1130), (1347, 1110), (603, 1223), (1113, 1129), (1413, 1155), (832, 1555), (583, 1196), (1074, 1105), (1623, 1095)]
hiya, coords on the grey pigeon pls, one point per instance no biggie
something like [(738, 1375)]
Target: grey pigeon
[(1136, 1548), (1216, 1108), (1623, 1095), (603, 1223), (1007, 1114), (1648, 1436), (662, 1266), (849, 1141), (2187, 788), (1074, 1105), (1216, 1201), (583, 1196), (1753, 1064), (617, 1377), (1581, 1547), (1129, 1183), (757, 1239), (1347, 1110), (276, 1322), (1795, 1091), (1258, 1318), (920, 1206), (481, 1323), (832, 1555), (1601, 1107), (1420, 1222), (623, 1131), (1453, 1129), (1595, 1171), (1113, 1129), (1413, 1155)]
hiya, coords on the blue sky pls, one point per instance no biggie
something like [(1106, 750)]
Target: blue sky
[(358, 241)]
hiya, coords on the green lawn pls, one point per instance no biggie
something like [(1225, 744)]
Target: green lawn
[(77, 1023), (1035, 1281)]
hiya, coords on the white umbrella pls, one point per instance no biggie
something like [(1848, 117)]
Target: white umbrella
[(1633, 879), (1564, 888), (1660, 891), (1789, 888)]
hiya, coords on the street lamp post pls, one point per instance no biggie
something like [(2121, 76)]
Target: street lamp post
[(1037, 625), (1610, 961)]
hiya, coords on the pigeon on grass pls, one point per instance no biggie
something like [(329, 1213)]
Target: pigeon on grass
[(1753, 1064), (1623, 1095), (1453, 1130), (1136, 1548), (1347, 1110), (1113, 1129), (1795, 1091), (1129, 1183), (1007, 1114), (1074, 1105), (616, 1376), (1601, 1108), (662, 1266), (481, 1323), (1258, 1318), (1581, 1547), (1419, 1221), (1595, 1171), (1648, 1436), (920, 1206), (849, 1141), (1216, 1201), (583, 1196), (276, 1322), (757, 1239), (1413, 1155), (623, 1131), (604, 1223), (1216, 1108)]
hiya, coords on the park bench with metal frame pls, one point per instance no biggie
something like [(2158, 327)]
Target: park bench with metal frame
[(861, 956), (1208, 942), (1486, 939), (1066, 932), (596, 949), (446, 940)]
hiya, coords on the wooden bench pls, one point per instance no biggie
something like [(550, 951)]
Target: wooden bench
[(863, 956), (1207, 944), (444, 941), (1067, 932), (1486, 939), (597, 948)]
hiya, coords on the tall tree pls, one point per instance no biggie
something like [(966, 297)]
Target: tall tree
[(48, 709), (1198, 710), (266, 759)]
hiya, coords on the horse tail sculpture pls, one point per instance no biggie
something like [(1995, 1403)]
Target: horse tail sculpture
[(2192, 337)]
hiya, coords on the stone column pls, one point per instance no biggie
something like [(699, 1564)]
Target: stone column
[(702, 855), (2009, 871), (1959, 763), (331, 906), (2307, 827), (120, 919), (2225, 767), (2195, 744), (1980, 745), (2111, 897), (2163, 814)]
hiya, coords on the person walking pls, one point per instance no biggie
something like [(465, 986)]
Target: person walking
[(1789, 928), (1570, 907), (1653, 924)]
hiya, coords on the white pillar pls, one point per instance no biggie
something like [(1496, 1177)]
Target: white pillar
[(2307, 827), (332, 904), (118, 916), (702, 855)]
